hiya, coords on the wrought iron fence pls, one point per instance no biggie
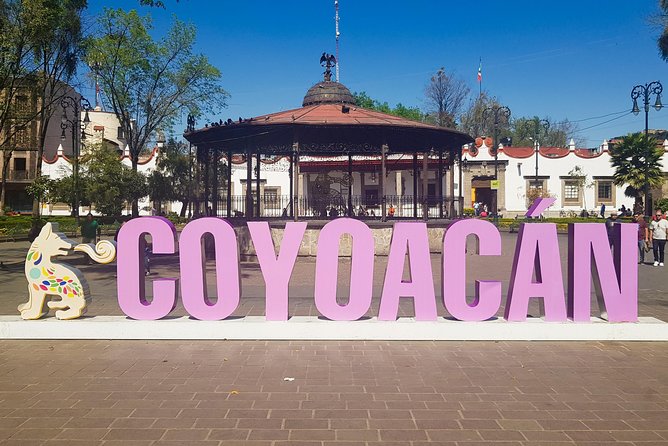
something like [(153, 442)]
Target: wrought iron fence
[(281, 206)]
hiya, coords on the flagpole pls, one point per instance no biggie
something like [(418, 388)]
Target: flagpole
[(480, 79)]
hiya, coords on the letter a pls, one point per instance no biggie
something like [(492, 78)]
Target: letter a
[(411, 239), (537, 248)]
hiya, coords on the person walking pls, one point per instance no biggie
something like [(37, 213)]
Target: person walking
[(610, 227), (89, 229), (643, 236), (603, 211), (658, 229)]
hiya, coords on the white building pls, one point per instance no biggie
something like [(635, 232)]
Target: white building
[(517, 174)]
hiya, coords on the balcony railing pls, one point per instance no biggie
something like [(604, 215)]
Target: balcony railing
[(280, 206), (20, 175)]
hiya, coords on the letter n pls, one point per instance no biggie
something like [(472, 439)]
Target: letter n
[(615, 277)]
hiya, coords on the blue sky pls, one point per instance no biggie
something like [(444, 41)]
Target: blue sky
[(561, 59)]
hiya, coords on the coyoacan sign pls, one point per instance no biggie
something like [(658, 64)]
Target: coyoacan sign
[(536, 271)]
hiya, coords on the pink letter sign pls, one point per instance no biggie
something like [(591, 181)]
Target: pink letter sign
[(537, 248), (487, 292), (193, 274), (411, 239), (130, 268), (361, 269), (615, 280), (276, 270)]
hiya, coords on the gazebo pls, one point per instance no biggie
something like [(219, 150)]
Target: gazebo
[(329, 123)]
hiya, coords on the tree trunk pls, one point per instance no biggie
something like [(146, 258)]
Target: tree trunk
[(7, 155), (135, 201), (184, 208)]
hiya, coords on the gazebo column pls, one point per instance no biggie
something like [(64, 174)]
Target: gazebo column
[(460, 210), (383, 170), (258, 195), (350, 185), (207, 164), (249, 184), (451, 183), (229, 184), (415, 184), (440, 183), (290, 204), (425, 183), (214, 195), (295, 181)]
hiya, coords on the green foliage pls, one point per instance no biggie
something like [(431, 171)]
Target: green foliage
[(636, 160), (150, 82), (473, 123), (662, 204), (170, 180), (523, 130), (364, 101), (663, 38)]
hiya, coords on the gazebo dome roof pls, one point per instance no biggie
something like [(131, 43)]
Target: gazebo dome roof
[(328, 92)]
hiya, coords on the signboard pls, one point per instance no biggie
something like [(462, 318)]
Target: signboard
[(536, 251), (494, 184)]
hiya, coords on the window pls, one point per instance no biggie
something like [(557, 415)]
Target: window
[(571, 191), (120, 134), (271, 198), (604, 191), (22, 138), (20, 164), (21, 105), (534, 189)]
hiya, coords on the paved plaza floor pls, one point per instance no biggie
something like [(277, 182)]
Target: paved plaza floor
[(328, 392)]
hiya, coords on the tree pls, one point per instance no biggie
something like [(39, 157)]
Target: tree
[(105, 182), (55, 31), (150, 83), (636, 160), (171, 180), (39, 46), (363, 100), (445, 96), (663, 38), (473, 120), (557, 135), (578, 174)]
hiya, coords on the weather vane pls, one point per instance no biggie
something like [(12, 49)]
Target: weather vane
[(327, 61)]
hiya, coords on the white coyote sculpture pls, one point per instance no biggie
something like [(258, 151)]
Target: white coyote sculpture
[(47, 278)]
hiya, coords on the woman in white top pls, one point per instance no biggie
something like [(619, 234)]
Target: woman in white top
[(658, 229)]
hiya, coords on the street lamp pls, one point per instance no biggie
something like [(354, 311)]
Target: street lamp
[(78, 136), (191, 128), (645, 92), (537, 124), (497, 112)]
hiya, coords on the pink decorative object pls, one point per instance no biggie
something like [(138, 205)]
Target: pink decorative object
[(361, 269), (539, 206), (537, 248), (130, 268), (276, 270), (615, 278), (193, 274), (487, 292), (409, 238)]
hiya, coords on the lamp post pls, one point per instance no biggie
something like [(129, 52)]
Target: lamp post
[(497, 112), (78, 136), (191, 128), (645, 92), (537, 124)]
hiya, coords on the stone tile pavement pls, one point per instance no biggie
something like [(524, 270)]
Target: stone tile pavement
[(343, 393)]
